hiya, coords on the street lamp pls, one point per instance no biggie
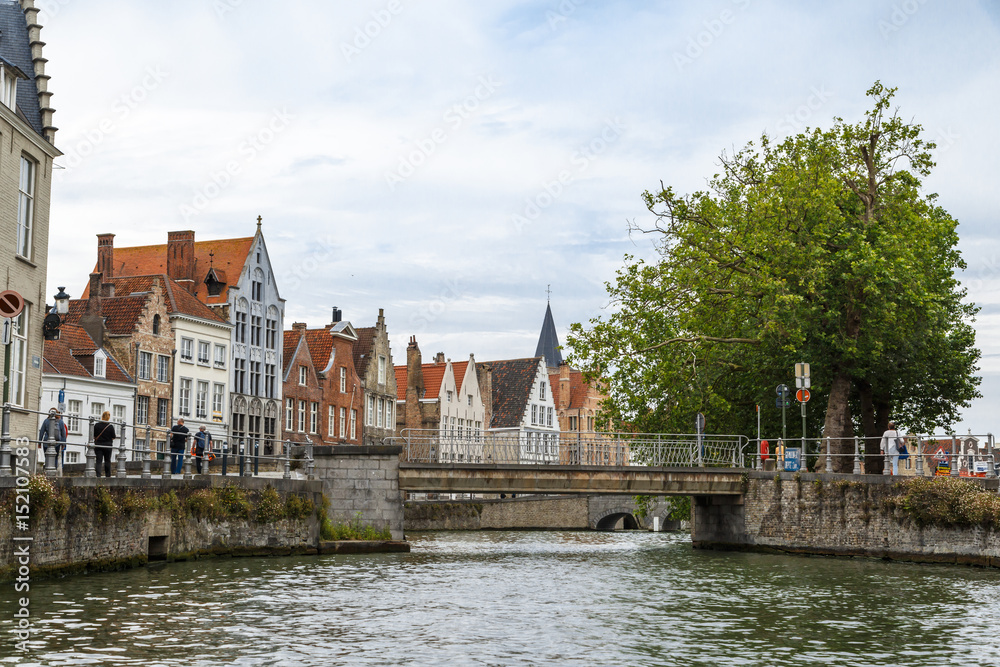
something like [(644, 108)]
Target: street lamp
[(50, 325)]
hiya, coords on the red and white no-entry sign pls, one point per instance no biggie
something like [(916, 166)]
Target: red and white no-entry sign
[(11, 303), (802, 395)]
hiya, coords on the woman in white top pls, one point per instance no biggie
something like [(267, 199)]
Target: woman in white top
[(889, 445)]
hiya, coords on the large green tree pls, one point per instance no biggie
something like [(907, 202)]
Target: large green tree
[(821, 248)]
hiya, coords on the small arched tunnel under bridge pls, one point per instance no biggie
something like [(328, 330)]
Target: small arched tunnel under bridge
[(619, 519)]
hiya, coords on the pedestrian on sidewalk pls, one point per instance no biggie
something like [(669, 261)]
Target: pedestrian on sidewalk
[(104, 440), (59, 433), (891, 440), (178, 442), (202, 442)]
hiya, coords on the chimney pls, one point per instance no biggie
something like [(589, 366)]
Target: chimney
[(439, 358), (299, 326), (564, 386), (180, 258), (412, 416), (338, 315), (106, 255), (485, 376), (92, 320)]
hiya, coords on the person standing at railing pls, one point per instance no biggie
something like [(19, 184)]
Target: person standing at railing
[(178, 441), (202, 442), (891, 440), (59, 433), (104, 440)]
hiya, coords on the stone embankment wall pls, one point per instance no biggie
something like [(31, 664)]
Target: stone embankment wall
[(362, 483), (87, 524), (842, 515), (531, 513)]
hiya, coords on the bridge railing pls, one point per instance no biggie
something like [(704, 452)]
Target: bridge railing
[(555, 448)]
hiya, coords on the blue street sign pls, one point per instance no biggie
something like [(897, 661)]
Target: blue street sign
[(792, 459), (778, 403)]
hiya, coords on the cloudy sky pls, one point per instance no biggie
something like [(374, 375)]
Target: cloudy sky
[(447, 161)]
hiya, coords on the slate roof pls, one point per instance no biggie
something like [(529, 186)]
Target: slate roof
[(363, 349), (548, 341), (230, 256), (16, 49), (512, 383), (63, 356)]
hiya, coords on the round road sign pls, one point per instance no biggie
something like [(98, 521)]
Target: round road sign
[(802, 395), (781, 390), (11, 303)]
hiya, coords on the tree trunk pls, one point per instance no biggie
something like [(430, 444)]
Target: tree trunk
[(874, 421), (838, 426)]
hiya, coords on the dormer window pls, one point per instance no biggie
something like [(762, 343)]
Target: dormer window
[(99, 365), (9, 76)]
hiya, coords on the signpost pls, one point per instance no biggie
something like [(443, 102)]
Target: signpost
[(699, 424), (11, 305), (782, 402), (802, 383), (793, 459)]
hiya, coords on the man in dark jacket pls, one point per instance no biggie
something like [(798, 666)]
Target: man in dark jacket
[(178, 440), (59, 432), (202, 442)]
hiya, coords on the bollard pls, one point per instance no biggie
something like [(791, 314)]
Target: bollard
[(288, 461), (5, 453), (186, 453), (120, 473), (310, 463), (857, 456), (225, 457), (256, 457), (166, 465), (954, 457), (991, 471), (91, 469), (146, 474), (51, 451), (246, 463), (829, 461)]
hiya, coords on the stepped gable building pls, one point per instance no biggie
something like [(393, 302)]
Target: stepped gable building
[(322, 391), (134, 326), (440, 405), (235, 279), (25, 188), (373, 364), (523, 412), (86, 380)]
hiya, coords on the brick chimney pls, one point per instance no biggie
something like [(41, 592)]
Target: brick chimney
[(299, 326), (439, 358), (412, 417), (564, 386), (484, 373), (106, 255), (180, 258), (92, 320)]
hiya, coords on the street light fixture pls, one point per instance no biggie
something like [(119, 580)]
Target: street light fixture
[(50, 325)]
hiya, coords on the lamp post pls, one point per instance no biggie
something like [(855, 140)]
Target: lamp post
[(50, 325)]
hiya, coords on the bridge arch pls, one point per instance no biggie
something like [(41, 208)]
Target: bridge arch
[(610, 518)]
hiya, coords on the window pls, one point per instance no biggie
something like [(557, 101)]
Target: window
[(255, 378), (142, 409), (381, 409), (450, 392), (551, 410), (541, 392), (18, 357), (96, 409), (388, 414), (255, 330), (73, 409), (241, 322), (573, 423), (343, 380), (534, 415), (201, 400), (156, 325), (185, 397), (302, 376), (302, 416), (220, 356), (314, 418), (381, 369), (461, 428), (240, 376), (343, 422), (145, 365), (162, 368), (203, 350), (26, 208), (272, 333), (257, 285), (218, 398), (187, 349), (331, 422), (72, 457), (269, 380), (370, 417), (9, 89), (354, 424), (118, 413), (290, 414), (470, 399)]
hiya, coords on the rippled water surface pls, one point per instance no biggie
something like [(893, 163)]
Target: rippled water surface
[(518, 598)]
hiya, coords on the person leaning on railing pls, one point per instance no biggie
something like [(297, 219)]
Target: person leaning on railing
[(891, 440), (178, 441), (59, 432), (104, 440)]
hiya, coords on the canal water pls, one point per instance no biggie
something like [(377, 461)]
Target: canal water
[(518, 598)]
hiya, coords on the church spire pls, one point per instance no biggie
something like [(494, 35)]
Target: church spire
[(548, 341)]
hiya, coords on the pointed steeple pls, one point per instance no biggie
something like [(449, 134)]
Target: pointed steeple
[(548, 341)]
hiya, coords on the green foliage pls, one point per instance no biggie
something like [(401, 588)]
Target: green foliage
[(133, 503), (680, 508), (40, 494), (354, 530), (204, 504), (820, 248), (60, 504), (642, 505), (169, 502), (946, 502), (105, 505), (297, 507), (233, 501), (269, 506)]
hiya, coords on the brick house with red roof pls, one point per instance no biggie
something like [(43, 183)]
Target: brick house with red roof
[(373, 364), (578, 401), (322, 391), (86, 380), (234, 278)]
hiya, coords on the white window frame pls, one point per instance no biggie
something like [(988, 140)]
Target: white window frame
[(73, 409), (381, 369), (354, 424), (19, 358), (370, 417), (26, 207), (145, 365), (331, 421), (314, 417), (343, 380), (343, 423), (220, 356), (302, 416), (187, 350), (162, 368), (204, 345), (201, 400), (303, 376), (100, 365), (541, 391), (218, 400), (184, 400), (289, 414)]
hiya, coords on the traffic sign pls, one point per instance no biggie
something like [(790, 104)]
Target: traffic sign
[(699, 422), (793, 460), (7, 327), (781, 390), (779, 403), (11, 303), (802, 395), (802, 376)]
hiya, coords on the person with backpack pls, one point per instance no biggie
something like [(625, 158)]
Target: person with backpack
[(891, 442), (59, 433), (104, 440)]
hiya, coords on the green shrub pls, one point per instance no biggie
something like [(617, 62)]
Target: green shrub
[(680, 508), (169, 502), (60, 505), (40, 494), (133, 503), (203, 504), (355, 530), (106, 506), (947, 501), (269, 506), (233, 501), (297, 507)]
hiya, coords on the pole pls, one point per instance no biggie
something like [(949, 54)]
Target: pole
[(804, 435), (784, 429)]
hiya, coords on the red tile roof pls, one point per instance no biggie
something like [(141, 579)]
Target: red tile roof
[(64, 356), (227, 255), (320, 344), (433, 379), (401, 373), (121, 313), (458, 368), (290, 344), (179, 300), (578, 389)]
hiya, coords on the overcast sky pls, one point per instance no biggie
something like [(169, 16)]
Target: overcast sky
[(447, 161)]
